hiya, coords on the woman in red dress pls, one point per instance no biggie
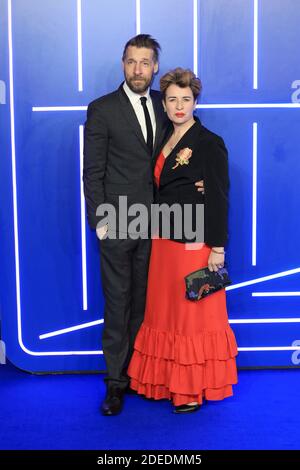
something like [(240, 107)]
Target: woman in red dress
[(185, 351)]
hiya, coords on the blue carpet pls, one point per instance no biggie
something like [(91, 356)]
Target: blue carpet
[(62, 412)]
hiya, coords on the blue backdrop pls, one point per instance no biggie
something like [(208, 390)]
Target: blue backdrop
[(58, 55)]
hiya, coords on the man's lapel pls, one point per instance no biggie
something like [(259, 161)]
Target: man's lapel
[(130, 115), (160, 119)]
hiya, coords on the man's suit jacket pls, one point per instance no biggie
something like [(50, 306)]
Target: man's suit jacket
[(117, 160), (209, 161)]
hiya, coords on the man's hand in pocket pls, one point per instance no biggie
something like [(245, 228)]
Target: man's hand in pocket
[(102, 231)]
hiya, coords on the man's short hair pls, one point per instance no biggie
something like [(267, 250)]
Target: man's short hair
[(144, 40)]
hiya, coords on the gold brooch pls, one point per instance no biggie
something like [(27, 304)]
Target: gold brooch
[(182, 157)]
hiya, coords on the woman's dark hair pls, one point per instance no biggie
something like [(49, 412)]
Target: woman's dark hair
[(143, 40), (183, 78)]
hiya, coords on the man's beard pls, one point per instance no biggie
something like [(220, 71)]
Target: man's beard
[(139, 86)]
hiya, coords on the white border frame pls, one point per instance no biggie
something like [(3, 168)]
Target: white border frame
[(15, 200)]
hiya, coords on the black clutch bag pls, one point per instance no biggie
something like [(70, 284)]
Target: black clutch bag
[(201, 283)]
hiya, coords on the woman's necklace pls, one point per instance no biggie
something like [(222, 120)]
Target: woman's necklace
[(174, 141)]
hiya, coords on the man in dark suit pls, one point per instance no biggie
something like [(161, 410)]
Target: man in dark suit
[(123, 132)]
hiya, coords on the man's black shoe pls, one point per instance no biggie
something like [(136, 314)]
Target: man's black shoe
[(113, 403)]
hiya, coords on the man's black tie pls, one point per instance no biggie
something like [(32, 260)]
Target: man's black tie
[(148, 124)]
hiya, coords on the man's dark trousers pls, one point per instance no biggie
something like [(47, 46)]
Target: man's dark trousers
[(124, 272)]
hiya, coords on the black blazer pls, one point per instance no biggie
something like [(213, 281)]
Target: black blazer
[(117, 160), (209, 161)]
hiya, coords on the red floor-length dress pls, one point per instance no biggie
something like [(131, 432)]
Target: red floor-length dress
[(184, 351)]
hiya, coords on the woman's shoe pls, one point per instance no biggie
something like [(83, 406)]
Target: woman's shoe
[(186, 408)]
